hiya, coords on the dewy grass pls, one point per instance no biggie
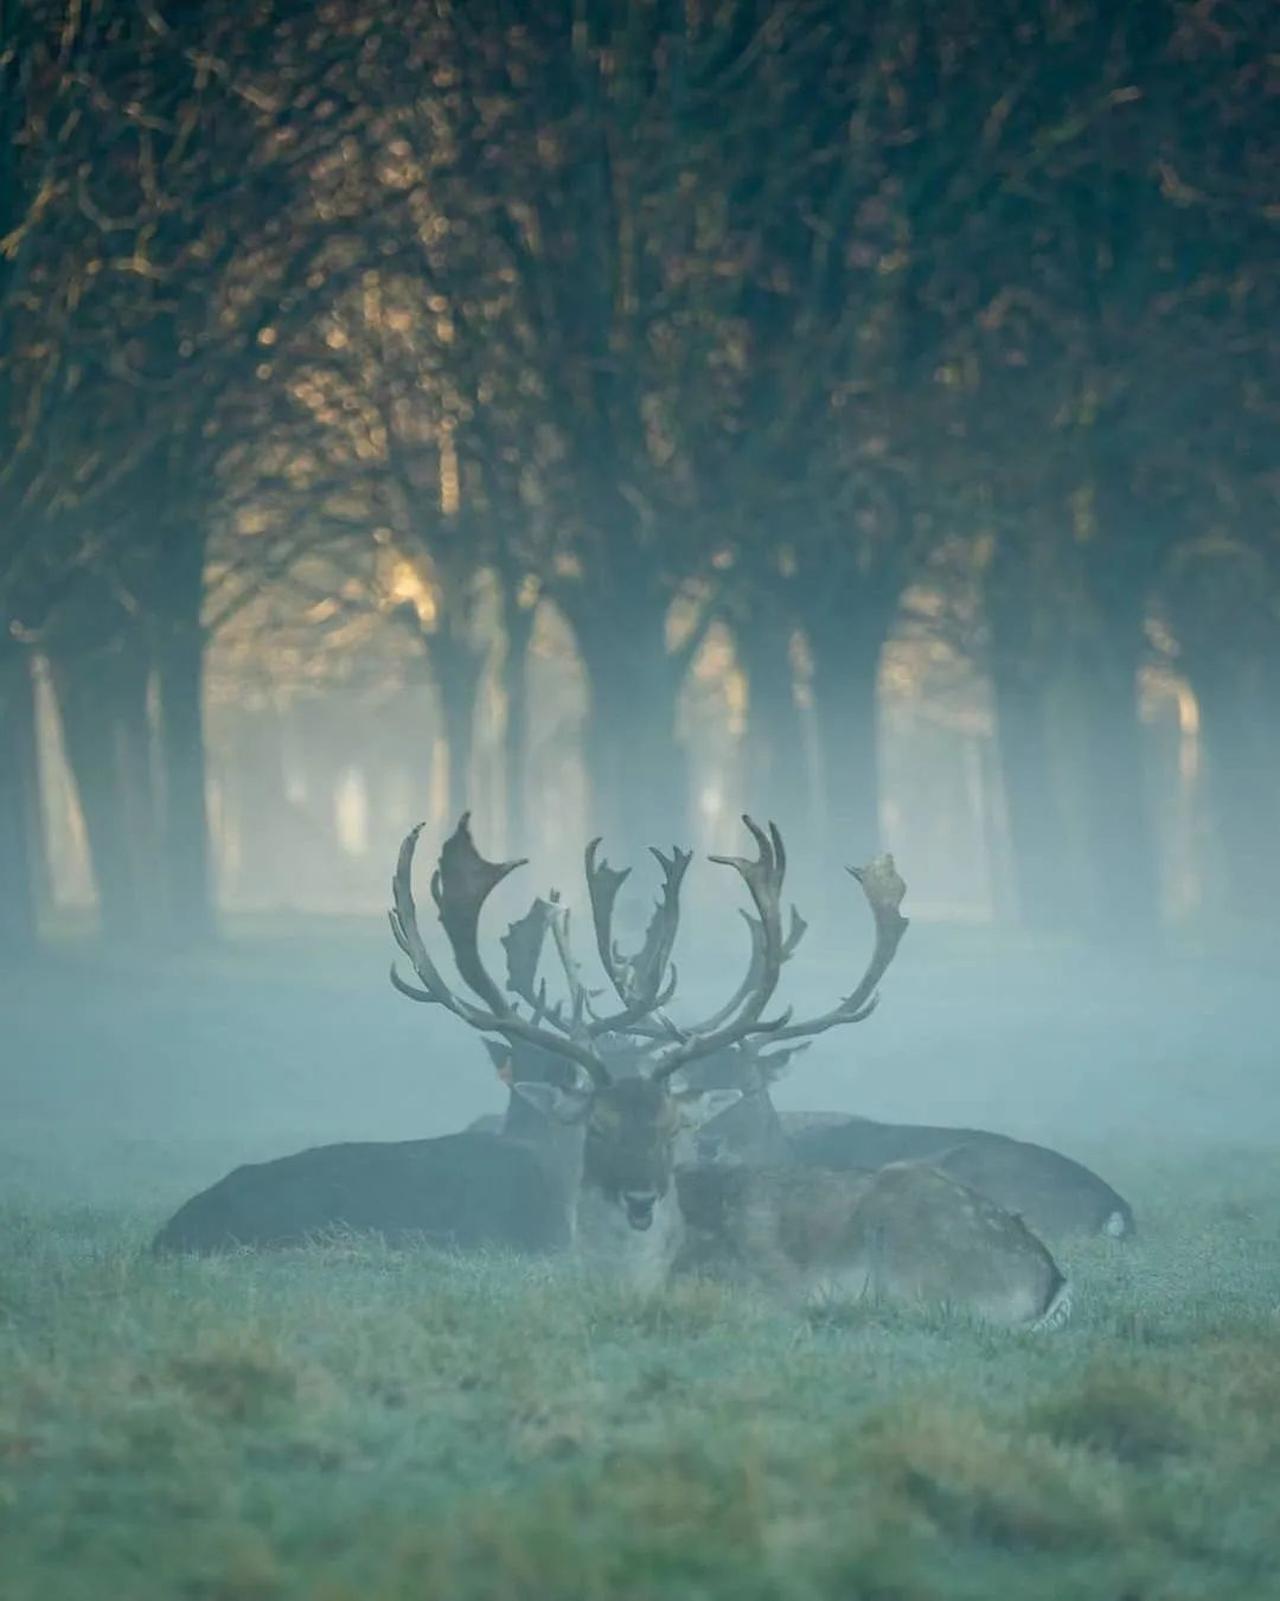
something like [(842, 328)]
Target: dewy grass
[(351, 1422)]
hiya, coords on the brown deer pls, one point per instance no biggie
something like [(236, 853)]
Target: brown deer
[(1058, 1196), (589, 1151), (908, 1233), (627, 1079)]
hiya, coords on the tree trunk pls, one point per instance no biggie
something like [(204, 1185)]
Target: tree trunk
[(846, 665), (458, 669), (102, 696), (1046, 891), (179, 664), (1113, 794), (17, 831), (1026, 661), (775, 769), (1119, 567), (180, 673), (638, 770), (1238, 723), (518, 623)]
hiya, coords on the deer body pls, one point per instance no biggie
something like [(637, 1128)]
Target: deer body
[(601, 1102), (1057, 1196), (463, 1191), (907, 1234)]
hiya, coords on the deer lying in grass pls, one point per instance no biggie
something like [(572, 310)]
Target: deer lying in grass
[(636, 1095), (908, 1233), (522, 1191), (463, 1191), (1057, 1196), (589, 1147)]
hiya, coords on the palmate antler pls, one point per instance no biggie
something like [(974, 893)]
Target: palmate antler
[(740, 1023), (884, 889), (644, 983), (461, 884)]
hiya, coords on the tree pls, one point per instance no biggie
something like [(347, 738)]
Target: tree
[(187, 212)]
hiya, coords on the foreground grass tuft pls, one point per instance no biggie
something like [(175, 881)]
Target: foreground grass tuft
[(351, 1422)]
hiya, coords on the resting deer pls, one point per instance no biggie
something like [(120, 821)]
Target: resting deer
[(908, 1233), (627, 1079), (1057, 1196), (590, 1146), (463, 1191)]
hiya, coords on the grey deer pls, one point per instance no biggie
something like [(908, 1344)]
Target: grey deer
[(461, 1191), (909, 1233)]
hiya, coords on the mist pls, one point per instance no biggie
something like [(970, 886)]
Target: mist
[(615, 507)]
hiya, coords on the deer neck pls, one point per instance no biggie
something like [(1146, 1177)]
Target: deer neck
[(606, 1241), (557, 1148)]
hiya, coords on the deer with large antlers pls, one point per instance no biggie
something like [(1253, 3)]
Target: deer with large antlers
[(1058, 1196), (625, 1078), (632, 1122), (588, 1154)]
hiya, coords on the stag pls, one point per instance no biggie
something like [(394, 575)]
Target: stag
[(627, 1216), (590, 1152), (1058, 1196), (636, 1082)]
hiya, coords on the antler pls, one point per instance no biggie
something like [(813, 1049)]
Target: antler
[(603, 884), (523, 944), (884, 889), (461, 884), (464, 880), (741, 1018), (646, 982), (795, 933)]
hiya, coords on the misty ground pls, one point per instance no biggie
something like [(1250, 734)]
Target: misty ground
[(346, 1422)]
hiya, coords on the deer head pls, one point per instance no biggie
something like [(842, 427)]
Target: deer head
[(622, 1075)]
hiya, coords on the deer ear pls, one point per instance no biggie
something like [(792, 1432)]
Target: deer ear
[(500, 1055), (700, 1107), (564, 1106)]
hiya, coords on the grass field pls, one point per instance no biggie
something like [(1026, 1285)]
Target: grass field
[(346, 1422), (350, 1424)]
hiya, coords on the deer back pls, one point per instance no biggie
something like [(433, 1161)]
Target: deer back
[(1057, 1196), (461, 1191)]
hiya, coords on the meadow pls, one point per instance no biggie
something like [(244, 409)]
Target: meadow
[(349, 1422)]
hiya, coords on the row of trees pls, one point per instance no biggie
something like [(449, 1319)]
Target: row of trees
[(669, 315)]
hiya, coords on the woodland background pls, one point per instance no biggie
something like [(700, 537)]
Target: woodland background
[(612, 416)]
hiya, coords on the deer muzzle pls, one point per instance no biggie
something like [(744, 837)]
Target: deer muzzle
[(639, 1205)]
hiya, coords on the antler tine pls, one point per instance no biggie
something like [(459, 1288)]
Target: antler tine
[(647, 970), (647, 982), (462, 882), (579, 995), (404, 926), (795, 933), (523, 944), (884, 890), (460, 885), (763, 878), (603, 884)]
